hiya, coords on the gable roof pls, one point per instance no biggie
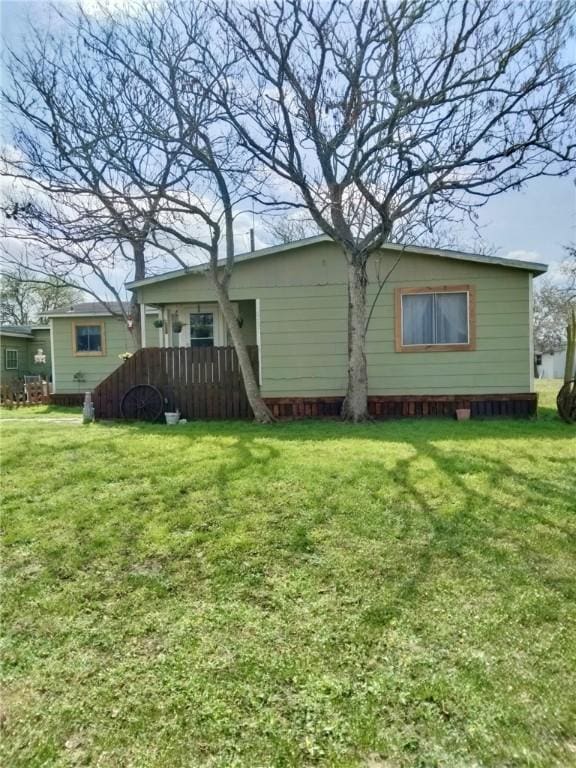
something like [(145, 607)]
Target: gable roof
[(90, 308), (95, 309), (531, 266)]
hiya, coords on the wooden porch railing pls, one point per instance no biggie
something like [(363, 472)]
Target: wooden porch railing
[(200, 382)]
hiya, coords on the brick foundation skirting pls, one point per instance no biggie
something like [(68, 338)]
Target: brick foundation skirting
[(521, 405)]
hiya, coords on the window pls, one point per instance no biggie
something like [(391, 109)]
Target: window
[(435, 319), (202, 329), (11, 359), (89, 339), (538, 357)]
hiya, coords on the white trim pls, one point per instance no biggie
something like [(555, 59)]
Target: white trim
[(259, 341), (53, 356), (184, 310), (161, 329), (531, 266), (17, 353), (143, 324), (530, 331)]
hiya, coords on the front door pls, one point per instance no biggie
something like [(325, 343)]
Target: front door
[(201, 329), (203, 325)]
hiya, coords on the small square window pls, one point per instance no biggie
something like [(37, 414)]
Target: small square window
[(11, 359), (88, 339)]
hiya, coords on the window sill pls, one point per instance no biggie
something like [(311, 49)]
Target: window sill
[(436, 348)]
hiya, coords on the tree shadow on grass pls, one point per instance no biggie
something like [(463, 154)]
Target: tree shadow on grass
[(475, 525), (549, 428), (481, 537)]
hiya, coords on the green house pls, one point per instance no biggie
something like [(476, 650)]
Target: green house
[(24, 351), (88, 342), (444, 324)]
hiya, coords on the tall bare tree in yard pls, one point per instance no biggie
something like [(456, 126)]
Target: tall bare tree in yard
[(164, 49), (380, 112), (25, 299), (88, 183)]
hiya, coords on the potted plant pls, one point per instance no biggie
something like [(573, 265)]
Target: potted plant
[(158, 323), (177, 326)]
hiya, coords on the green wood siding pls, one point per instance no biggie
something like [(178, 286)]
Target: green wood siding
[(26, 349), (247, 311), (303, 323), (118, 339), (21, 346), (40, 340)]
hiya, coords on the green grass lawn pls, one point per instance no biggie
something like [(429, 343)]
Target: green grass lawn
[(223, 594)]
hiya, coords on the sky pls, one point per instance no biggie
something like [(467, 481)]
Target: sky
[(535, 223)]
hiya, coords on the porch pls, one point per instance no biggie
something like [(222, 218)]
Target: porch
[(199, 325)]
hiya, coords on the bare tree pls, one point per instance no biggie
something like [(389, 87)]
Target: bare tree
[(380, 112), (553, 306), (289, 228), (88, 183), (164, 49), (25, 299), (568, 272)]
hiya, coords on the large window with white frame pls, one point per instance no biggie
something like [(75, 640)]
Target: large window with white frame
[(435, 319)]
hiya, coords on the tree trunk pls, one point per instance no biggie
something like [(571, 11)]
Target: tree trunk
[(136, 329), (262, 413), (355, 407), (139, 274)]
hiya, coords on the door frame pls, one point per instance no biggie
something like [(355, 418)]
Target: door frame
[(183, 310)]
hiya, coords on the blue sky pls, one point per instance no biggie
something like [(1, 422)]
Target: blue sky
[(535, 223)]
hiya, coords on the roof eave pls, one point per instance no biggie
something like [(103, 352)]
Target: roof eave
[(16, 335), (536, 268)]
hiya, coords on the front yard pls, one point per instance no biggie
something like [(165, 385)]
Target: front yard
[(221, 594)]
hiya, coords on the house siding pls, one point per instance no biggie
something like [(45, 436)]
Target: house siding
[(118, 340), (21, 346), (303, 323), (40, 340)]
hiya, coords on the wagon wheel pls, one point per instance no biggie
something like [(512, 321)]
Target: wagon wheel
[(143, 402), (566, 402)]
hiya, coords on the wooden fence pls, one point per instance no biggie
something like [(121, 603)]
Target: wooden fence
[(19, 395), (200, 382)]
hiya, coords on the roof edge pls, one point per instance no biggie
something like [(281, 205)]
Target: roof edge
[(537, 268), (103, 313)]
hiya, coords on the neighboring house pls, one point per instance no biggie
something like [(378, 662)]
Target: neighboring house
[(445, 324), (551, 364), (87, 344), (19, 345)]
